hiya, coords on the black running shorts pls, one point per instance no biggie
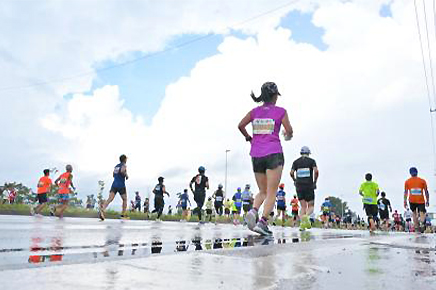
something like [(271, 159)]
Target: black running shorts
[(281, 207), (384, 214), (42, 198), (306, 193), (419, 206), (272, 161), (246, 207), (120, 190), (208, 211), (371, 210)]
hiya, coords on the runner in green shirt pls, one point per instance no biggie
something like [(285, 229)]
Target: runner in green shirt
[(369, 191)]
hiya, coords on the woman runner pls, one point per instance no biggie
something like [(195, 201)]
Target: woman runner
[(266, 152)]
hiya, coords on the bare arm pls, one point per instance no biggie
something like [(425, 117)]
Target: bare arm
[(190, 185), (124, 171), (57, 180), (316, 174), (405, 197), (207, 184), (165, 191), (293, 175), (244, 122), (427, 197), (289, 132)]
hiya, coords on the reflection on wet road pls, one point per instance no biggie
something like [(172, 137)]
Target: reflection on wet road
[(208, 256)]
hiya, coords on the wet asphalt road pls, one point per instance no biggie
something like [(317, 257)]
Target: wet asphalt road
[(47, 253)]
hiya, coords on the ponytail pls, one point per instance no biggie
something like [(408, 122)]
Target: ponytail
[(258, 99), (264, 97)]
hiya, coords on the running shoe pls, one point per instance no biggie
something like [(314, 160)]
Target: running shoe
[(251, 219), (124, 217), (101, 215), (53, 212), (32, 210), (262, 228)]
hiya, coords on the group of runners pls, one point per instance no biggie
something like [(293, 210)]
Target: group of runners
[(267, 162)]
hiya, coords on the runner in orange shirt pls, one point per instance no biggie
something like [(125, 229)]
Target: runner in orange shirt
[(414, 189), (44, 186), (64, 182), (295, 207)]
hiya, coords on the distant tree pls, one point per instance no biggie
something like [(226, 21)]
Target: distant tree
[(338, 206), (24, 193), (100, 193)]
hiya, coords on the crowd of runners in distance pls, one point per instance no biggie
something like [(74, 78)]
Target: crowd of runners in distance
[(267, 163)]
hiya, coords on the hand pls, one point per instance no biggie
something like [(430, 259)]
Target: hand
[(405, 204), (314, 186), (287, 136), (427, 204)]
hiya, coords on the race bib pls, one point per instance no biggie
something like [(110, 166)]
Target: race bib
[(303, 172), (263, 126), (382, 206), (416, 191), (219, 198), (367, 199)]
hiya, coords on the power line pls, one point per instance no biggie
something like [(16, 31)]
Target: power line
[(429, 51), (147, 56), (426, 82)]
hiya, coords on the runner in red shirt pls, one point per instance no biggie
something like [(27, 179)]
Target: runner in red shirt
[(397, 220)]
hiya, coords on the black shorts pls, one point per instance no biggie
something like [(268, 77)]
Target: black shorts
[(42, 198), (371, 210), (326, 214), (246, 207), (306, 193), (208, 211), (184, 206), (281, 207), (227, 211), (384, 214), (419, 206), (272, 161), (120, 190), (237, 211), (408, 220), (295, 213), (199, 197)]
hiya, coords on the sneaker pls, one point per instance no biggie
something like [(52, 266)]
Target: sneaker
[(32, 210), (124, 217), (53, 212), (101, 215), (262, 228), (251, 219)]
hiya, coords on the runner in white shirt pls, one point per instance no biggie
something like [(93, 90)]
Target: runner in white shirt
[(408, 218)]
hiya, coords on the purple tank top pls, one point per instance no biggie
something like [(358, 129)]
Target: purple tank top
[(266, 121)]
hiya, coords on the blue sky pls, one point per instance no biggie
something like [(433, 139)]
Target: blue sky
[(142, 84)]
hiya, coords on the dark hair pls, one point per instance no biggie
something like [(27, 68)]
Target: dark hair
[(123, 158), (264, 97), (160, 179), (269, 91), (383, 194), (46, 171), (368, 176)]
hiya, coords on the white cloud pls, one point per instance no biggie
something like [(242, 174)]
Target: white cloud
[(360, 105)]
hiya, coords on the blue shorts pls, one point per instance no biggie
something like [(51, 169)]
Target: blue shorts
[(63, 196)]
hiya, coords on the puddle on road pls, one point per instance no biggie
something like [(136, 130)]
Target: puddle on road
[(56, 253)]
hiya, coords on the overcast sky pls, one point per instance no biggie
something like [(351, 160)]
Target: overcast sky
[(350, 74)]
